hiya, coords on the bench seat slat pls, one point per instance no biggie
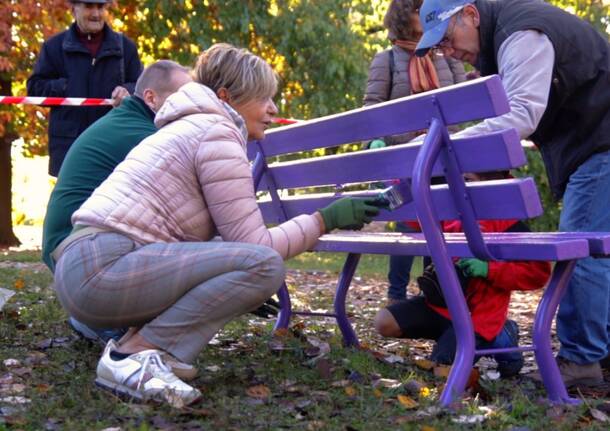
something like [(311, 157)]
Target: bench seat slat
[(478, 99), (508, 246), (503, 199), (502, 151)]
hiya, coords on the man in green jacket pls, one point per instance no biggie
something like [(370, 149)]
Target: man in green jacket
[(96, 153)]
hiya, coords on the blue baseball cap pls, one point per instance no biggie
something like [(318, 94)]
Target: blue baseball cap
[(434, 16)]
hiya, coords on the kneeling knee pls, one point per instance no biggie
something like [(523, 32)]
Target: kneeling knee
[(386, 325)]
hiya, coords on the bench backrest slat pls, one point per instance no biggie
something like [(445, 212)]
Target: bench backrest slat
[(501, 200), (499, 151)]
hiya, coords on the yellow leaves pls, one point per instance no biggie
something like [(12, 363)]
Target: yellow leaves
[(258, 392), (427, 428), (407, 402)]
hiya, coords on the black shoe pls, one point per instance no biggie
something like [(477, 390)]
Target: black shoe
[(509, 364), (268, 310)]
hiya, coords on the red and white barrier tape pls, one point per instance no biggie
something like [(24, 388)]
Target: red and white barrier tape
[(53, 101), (80, 101)]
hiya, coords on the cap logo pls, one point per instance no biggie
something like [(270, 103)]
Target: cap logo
[(430, 17), (449, 13)]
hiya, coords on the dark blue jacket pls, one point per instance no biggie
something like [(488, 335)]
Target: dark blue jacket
[(65, 68)]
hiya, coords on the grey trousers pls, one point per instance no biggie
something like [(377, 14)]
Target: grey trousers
[(181, 294)]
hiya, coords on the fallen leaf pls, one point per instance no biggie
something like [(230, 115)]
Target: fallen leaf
[(469, 419), (393, 359), (281, 333), (413, 387), (19, 284), (424, 364), (15, 400), (442, 371), (22, 371), (377, 393), (407, 402), (350, 391), (43, 388), (11, 363), (6, 379), (258, 392), (427, 428), (324, 368), (36, 358), (340, 383), (599, 415), (387, 383), (315, 425), (16, 388)]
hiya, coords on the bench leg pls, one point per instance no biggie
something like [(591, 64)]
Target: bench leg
[(349, 268), (283, 318), (549, 371)]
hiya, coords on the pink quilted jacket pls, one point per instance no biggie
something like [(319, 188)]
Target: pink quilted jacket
[(190, 181)]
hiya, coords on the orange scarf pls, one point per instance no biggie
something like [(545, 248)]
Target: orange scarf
[(422, 72)]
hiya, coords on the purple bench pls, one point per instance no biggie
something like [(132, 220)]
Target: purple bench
[(303, 184)]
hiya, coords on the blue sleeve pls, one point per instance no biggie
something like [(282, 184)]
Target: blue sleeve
[(46, 80)]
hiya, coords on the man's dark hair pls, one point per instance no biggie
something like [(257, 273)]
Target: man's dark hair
[(158, 77)]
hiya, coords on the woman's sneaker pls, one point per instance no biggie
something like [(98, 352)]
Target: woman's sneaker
[(143, 376), (182, 370)]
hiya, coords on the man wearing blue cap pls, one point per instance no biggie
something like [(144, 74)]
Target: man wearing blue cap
[(556, 72)]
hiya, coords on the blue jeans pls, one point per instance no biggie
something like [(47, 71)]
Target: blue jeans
[(400, 269), (445, 347), (583, 320)]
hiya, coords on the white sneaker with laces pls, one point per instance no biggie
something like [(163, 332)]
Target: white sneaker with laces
[(143, 376)]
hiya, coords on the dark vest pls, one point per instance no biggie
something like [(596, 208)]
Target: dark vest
[(576, 122)]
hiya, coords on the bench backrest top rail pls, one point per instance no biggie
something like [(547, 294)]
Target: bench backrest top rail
[(469, 101)]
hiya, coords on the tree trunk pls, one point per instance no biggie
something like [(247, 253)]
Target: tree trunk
[(7, 237)]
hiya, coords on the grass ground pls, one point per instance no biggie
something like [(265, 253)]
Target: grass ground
[(303, 379)]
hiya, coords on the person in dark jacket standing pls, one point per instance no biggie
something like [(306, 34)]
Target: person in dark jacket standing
[(87, 60), (556, 71)]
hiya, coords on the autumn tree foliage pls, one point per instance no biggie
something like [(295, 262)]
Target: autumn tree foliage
[(23, 24)]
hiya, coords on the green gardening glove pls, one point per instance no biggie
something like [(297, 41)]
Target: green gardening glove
[(349, 213), (474, 267), (377, 143)]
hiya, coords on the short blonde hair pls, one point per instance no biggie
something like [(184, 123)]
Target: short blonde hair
[(245, 76)]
